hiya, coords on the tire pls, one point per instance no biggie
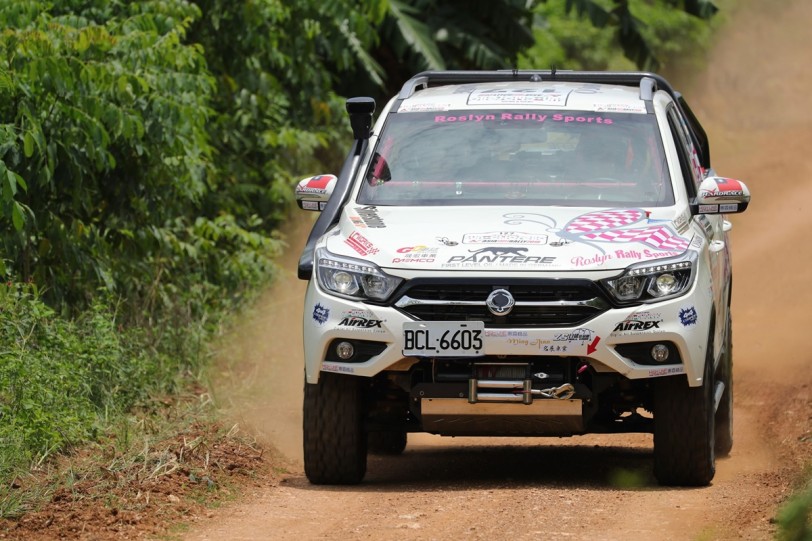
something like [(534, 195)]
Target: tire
[(684, 423), (724, 414), (387, 443), (335, 441)]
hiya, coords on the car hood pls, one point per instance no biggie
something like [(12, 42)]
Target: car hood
[(515, 238)]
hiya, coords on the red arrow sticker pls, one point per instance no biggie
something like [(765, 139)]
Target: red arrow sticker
[(590, 348)]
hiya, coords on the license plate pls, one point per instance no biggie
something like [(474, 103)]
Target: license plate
[(443, 338)]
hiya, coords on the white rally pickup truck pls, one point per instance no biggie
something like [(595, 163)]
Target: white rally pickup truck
[(520, 253)]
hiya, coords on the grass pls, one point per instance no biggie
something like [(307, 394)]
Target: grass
[(794, 518), (176, 461)]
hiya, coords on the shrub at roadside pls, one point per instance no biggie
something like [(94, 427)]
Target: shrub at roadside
[(60, 380)]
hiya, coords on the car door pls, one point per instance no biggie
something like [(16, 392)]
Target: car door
[(714, 226)]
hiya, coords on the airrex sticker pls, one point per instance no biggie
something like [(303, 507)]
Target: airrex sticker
[(688, 316), (638, 323), (360, 319)]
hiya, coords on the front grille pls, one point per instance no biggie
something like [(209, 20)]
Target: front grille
[(542, 303)]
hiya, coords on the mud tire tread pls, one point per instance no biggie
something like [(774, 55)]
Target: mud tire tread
[(335, 442), (684, 430)]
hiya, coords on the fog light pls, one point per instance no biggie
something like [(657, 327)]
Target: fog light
[(659, 353), (345, 350)]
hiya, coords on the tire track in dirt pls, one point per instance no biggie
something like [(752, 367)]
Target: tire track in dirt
[(752, 99)]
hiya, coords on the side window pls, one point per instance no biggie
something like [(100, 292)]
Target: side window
[(688, 160)]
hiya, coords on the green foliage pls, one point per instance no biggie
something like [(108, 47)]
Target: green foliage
[(62, 381), (795, 516), (275, 114), (417, 35), (610, 34), (109, 177)]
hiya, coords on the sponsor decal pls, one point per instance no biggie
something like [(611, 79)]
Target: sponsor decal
[(729, 207), (688, 316), (654, 372), (360, 322), (538, 343), (321, 314), (335, 367), (639, 323), (504, 237), (498, 333), (415, 254), (562, 343), (725, 187), (708, 208), (360, 244), (578, 335), (499, 255), (547, 96), (522, 117), (636, 325), (315, 185), (620, 108), (610, 226), (370, 217), (310, 205), (681, 221), (447, 242), (600, 259), (423, 107)]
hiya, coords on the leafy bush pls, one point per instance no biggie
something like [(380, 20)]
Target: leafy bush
[(106, 159), (795, 516), (610, 34)]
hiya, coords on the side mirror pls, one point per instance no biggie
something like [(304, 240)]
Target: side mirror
[(719, 195), (312, 193)]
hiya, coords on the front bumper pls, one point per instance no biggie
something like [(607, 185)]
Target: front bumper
[(682, 322)]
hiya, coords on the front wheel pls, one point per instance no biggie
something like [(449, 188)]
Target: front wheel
[(684, 423), (335, 440)]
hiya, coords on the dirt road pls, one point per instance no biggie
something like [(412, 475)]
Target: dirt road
[(754, 100)]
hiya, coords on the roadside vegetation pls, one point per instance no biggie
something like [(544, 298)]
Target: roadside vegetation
[(147, 155)]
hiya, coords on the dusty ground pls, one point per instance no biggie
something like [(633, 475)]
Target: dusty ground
[(753, 99)]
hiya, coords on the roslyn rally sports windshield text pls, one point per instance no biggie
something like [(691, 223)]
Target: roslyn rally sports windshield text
[(489, 157)]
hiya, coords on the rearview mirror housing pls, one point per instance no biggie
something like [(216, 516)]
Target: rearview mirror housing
[(720, 195), (312, 193)]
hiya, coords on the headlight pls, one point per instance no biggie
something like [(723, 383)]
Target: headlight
[(654, 282), (353, 278)]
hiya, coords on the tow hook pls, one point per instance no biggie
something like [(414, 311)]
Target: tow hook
[(564, 392)]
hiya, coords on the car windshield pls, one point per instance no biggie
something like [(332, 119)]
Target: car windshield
[(498, 157)]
